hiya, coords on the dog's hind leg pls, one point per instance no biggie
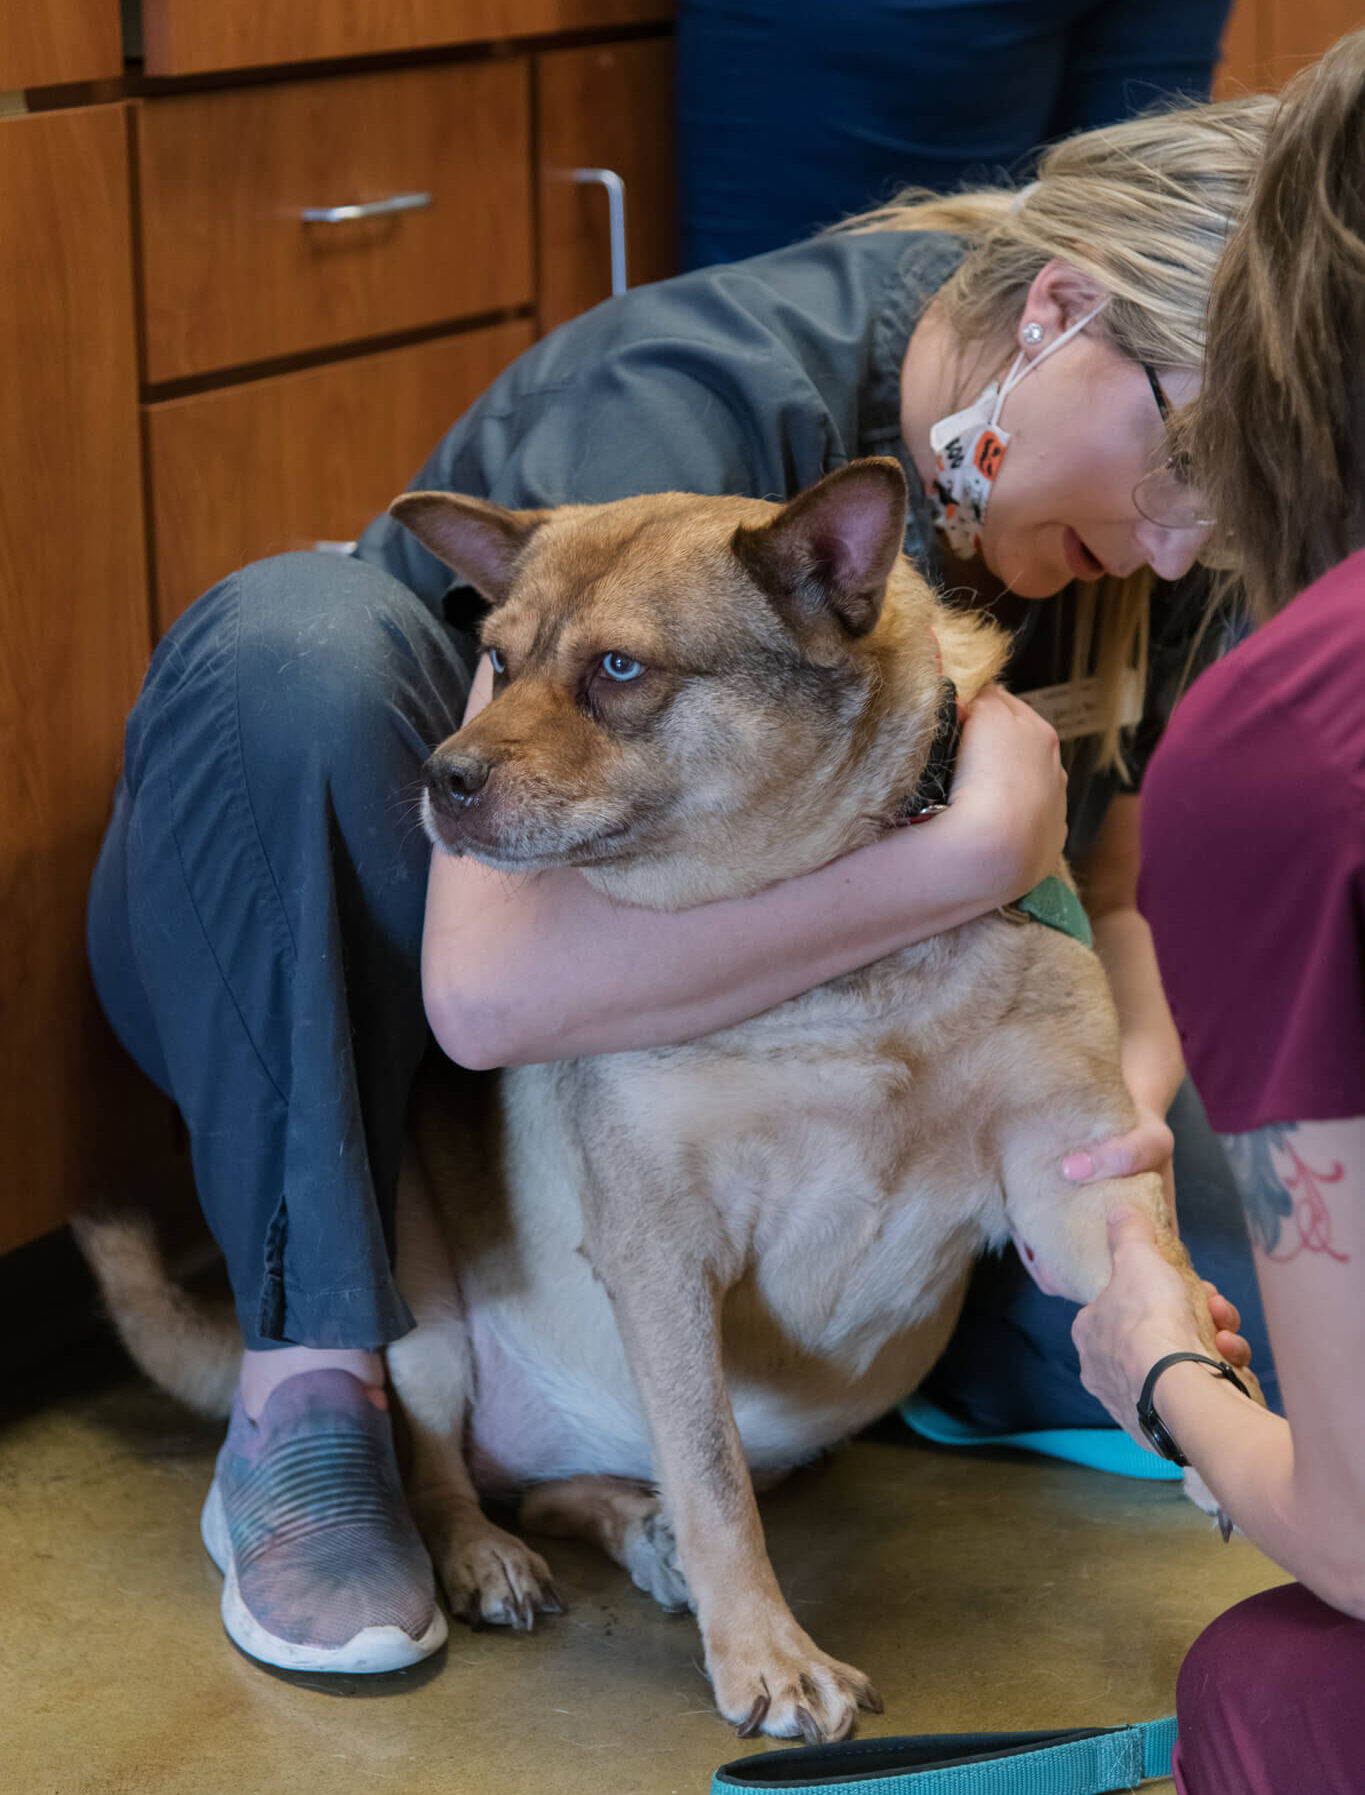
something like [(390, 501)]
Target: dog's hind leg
[(490, 1577), (623, 1519)]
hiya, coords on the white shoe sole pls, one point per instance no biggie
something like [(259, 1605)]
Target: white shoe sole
[(373, 1650)]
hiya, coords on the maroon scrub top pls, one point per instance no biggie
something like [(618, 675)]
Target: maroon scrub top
[(1253, 865)]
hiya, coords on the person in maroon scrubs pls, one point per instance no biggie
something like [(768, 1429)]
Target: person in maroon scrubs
[(1253, 883)]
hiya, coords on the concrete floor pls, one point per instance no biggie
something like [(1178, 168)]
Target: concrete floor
[(979, 1592)]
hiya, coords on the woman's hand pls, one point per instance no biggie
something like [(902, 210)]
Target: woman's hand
[(1142, 1314), (1010, 789), (1147, 1147), (1227, 1321)]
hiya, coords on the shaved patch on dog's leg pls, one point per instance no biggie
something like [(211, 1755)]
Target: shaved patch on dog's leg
[(623, 1519)]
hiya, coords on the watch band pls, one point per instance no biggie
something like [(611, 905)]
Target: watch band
[(1153, 1427)]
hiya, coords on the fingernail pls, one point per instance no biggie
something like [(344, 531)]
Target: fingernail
[(1080, 1165)]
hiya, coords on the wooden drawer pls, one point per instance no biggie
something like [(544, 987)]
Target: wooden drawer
[(282, 463), (187, 37), (232, 273), (59, 40)]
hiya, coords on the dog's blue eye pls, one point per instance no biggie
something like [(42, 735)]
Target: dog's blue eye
[(496, 661), (620, 667)]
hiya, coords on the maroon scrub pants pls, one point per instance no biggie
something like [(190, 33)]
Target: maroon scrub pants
[(1271, 1701)]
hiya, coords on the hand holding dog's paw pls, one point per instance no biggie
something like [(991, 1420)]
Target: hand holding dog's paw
[(493, 1579), (777, 1681), (1147, 1147), (1144, 1312)]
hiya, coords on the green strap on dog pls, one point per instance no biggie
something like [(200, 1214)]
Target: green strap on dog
[(1081, 1761), (1054, 903)]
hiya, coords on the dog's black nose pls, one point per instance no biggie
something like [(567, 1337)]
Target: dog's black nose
[(455, 779), (459, 776)]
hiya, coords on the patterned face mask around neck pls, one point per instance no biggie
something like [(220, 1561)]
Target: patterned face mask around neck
[(969, 447)]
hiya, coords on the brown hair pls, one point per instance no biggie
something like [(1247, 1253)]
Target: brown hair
[(1277, 436), (1145, 206)]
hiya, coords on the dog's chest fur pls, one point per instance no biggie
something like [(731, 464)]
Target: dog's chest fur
[(818, 1158)]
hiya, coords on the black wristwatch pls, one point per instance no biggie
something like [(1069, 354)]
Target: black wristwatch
[(1154, 1429)]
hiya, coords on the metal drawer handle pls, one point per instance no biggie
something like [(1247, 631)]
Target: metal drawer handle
[(375, 208), (616, 219)]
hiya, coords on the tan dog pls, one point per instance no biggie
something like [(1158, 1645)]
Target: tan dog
[(640, 1278)]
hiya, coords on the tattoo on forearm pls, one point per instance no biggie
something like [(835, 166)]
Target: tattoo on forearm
[(1282, 1194)]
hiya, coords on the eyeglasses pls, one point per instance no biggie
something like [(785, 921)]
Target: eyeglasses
[(1166, 494)]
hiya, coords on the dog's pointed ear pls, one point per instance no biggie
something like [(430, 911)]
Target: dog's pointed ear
[(480, 540), (827, 555)]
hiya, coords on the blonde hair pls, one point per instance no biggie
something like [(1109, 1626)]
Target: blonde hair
[(1277, 436), (1144, 207)]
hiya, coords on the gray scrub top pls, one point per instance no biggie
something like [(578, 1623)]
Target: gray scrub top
[(755, 377)]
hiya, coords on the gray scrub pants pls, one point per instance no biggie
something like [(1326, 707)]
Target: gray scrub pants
[(255, 921)]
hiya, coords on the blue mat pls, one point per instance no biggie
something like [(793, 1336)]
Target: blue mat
[(1102, 1448)]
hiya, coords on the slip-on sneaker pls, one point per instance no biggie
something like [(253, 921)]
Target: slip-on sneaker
[(323, 1567)]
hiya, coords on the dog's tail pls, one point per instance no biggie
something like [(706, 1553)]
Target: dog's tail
[(191, 1348)]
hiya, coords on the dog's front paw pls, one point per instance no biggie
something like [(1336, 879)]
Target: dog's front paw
[(493, 1579), (774, 1679)]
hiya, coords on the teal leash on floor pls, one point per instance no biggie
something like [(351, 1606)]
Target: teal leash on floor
[(1083, 1761)]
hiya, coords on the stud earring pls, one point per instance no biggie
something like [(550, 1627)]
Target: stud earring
[(1032, 332)]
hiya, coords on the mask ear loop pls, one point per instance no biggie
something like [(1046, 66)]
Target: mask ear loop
[(1022, 367)]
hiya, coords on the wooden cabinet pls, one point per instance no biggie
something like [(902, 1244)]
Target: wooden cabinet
[(283, 463), (45, 42), (1266, 42), (261, 456), (196, 37), (73, 645), (1291, 36), (241, 262), (599, 108), (194, 368)]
